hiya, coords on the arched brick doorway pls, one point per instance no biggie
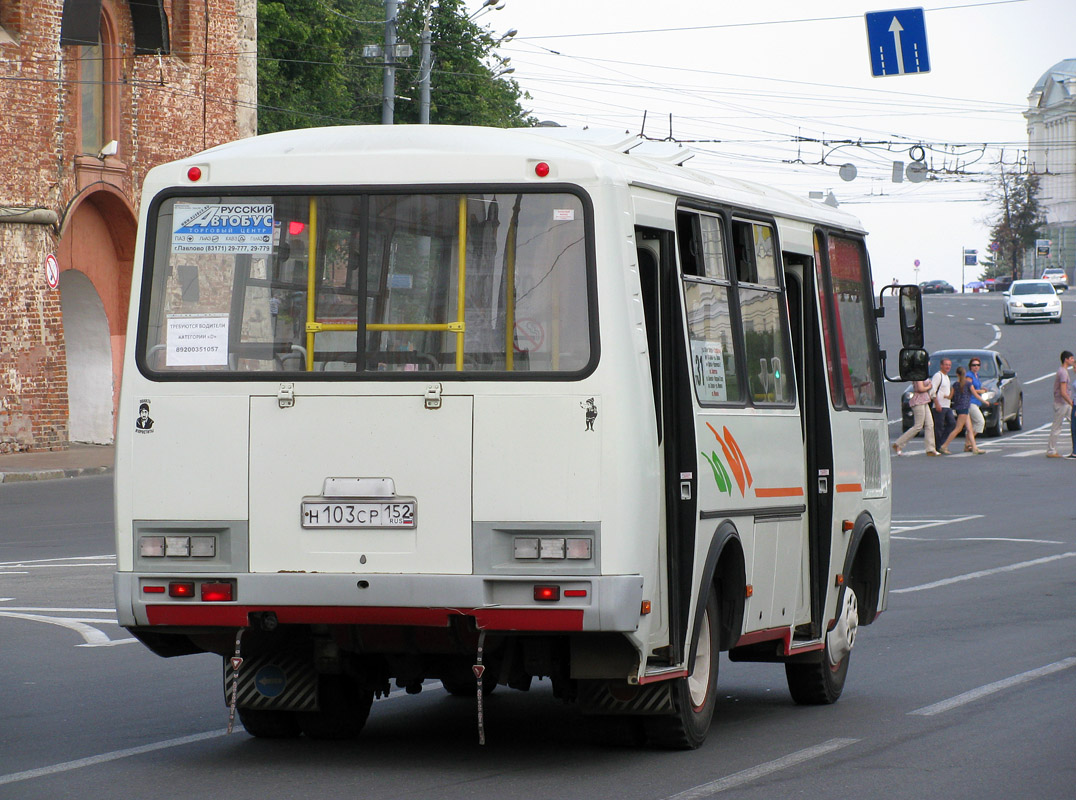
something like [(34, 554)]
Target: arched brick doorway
[(97, 241)]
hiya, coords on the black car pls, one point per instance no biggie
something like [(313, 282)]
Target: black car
[(936, 287), (1001, 390), (1000, 284)]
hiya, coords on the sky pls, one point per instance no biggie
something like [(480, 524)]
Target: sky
[(781, 92)]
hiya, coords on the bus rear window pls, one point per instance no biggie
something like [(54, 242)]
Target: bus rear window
[(394, 283)]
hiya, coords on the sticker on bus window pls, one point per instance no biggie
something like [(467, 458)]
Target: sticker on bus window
[(708, 368), (197, 340), (563, 214), (239, 228)]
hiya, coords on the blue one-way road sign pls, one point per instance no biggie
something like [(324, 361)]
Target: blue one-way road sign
[(898, 42)]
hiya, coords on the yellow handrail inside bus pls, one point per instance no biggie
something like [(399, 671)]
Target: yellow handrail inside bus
[(311, 281), (313, 327), (461, 294), (318, 327)]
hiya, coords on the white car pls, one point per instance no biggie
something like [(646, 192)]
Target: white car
[(1058, 277), (1031, 300)]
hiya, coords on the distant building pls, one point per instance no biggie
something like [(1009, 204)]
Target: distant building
[(95, 93), (1051, 131)]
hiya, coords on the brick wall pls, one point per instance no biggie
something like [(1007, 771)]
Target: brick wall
[(165, 108)]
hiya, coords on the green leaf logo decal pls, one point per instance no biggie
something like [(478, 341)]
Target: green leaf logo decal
[(721, 475)]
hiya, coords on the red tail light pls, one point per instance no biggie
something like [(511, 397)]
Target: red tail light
[(547, 593), (180, 589), (217, 592)]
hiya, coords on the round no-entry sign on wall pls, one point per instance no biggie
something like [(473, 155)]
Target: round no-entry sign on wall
[(52, 271)]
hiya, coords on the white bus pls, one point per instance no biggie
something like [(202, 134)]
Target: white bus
[(429, 403)]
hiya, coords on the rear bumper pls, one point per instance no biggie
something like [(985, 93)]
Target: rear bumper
[(501, 603)]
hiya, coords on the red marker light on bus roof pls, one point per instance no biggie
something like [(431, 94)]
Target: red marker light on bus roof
[(541, 169), (194, 174), (295, 227)]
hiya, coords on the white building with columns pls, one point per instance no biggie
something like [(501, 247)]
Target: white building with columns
[(1051, 131)]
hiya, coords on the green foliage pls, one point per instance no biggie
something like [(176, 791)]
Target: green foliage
[(1016, 221), (311, 70)]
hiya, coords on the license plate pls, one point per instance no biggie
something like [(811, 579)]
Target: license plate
[(359, 514)]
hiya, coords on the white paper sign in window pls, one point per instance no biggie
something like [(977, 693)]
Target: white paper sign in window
[(708, 368), (197, 340), (222, 228)]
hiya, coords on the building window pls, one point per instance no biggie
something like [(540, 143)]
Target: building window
[(98, 81)]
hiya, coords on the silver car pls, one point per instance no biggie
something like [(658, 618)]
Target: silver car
[(1031, 300)]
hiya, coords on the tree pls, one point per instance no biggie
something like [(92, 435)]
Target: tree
[(311, 70), (1016, 220)]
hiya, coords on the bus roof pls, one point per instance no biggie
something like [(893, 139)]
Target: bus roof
[(445, 154)]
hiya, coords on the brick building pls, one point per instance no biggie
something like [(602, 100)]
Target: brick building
[(95, 93)]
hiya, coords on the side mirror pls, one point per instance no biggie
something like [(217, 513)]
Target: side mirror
[(1007, 375), (914, 364), (911, 318)]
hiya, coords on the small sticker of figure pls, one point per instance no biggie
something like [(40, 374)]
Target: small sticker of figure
[(592, 412), (143, 423)]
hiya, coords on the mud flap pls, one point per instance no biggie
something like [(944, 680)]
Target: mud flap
[(284, 681), (614, 697)]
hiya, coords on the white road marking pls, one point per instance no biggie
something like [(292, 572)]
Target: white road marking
[(997, 337), (982, 574), (933, 523), (53, 560), (762, 770), (1040, 378), (992, 688), (115, 755), (91, 636)]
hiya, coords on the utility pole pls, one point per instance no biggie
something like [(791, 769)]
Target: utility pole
[(388, 92), (424, 69)]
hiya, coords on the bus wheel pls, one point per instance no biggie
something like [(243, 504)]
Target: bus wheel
[(695, 696), (344, 706), (269, 724), (821, 683)]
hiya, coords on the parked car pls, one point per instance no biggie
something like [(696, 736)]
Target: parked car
[(1000, 283), (1031, 300), (936, 287), (1058, 277), (1003, 395)]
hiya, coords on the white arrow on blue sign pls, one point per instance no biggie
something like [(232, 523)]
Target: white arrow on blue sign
[(898, 42)]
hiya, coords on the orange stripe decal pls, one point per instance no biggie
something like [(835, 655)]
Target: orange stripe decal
[(780, 491), (849, 487), (739, 453)]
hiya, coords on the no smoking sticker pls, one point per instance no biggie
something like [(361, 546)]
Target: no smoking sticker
[(52, 271)]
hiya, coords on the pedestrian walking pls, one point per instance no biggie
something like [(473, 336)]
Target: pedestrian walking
[(1062, 402), (975, 410), (961, 402), (922, 420), (941, 389)]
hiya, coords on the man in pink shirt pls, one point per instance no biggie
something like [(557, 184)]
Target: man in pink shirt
[(1062, 402)]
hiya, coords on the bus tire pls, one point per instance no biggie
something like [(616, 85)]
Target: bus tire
[(694, 696), (269, 724), (821, 682), (343, 706)]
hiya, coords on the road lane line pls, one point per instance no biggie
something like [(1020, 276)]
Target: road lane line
[(754, 773), (115, 755), (52, 560), (992, 688), (982, 574), (933, 523), (1040, 378)]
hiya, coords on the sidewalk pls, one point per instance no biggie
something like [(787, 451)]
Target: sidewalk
[(78, 459)]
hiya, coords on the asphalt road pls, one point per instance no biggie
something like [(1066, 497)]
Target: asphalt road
[(965, 688)]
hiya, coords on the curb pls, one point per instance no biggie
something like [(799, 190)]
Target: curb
[(51, 474)]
